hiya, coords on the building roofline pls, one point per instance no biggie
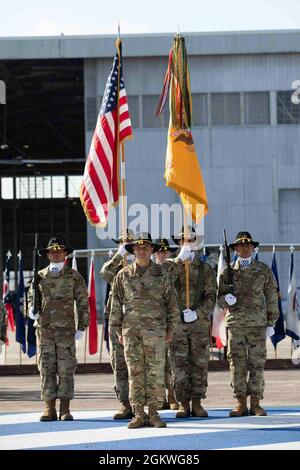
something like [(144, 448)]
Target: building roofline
[(156, 44)]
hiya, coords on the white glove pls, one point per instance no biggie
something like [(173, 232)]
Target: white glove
[(230, 299), (186, 253), (189, 315), (78, 335), (1, 344), (33, 316), (269, 331), (130, 259), (122, 250)]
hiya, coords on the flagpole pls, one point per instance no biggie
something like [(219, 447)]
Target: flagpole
[(123, 181), (85, 345), (101, 343), (186, 263)]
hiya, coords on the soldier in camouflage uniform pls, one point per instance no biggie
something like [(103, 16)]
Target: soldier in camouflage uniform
[(56, 328), (2, 325), (108, 272), (161, 255), (143, 314), (251, 313), (190, 347)]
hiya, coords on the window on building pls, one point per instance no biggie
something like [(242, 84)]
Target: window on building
[(287, 112), (134, 110), (200, 115), (7, 188), (74, 183), (32, 187), (257, 108), (225, 109), (58, 187), (149, 110), (43, 187), (25, 187)]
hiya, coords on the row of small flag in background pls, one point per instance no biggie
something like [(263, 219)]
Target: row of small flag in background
[(25, 331), (23, 327), (292, 316)]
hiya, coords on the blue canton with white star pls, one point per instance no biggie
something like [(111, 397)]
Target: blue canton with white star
[(109, 101)]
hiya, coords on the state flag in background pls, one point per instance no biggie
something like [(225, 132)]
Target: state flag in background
[(279, 326), (20, 320), (7, 299), (292, 317)]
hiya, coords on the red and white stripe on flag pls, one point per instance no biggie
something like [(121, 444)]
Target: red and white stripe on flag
[(93, 330), (100, 185)]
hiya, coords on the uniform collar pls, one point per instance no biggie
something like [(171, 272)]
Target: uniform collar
[(56, 276)]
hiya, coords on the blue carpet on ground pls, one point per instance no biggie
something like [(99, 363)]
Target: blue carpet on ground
[(96, 430)]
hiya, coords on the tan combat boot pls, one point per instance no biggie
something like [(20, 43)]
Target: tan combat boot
[(241, 408), (50, 411), (184, 409), (172, 400), (124, 412), (154, 418), (64, 410), (197, 410), (140, 418), (255, 409)]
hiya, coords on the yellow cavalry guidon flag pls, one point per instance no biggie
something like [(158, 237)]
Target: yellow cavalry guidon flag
[(182, 172)]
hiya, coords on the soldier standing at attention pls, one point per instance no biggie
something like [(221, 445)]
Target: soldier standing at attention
[(56, 331), (252, 310), (144, 313), (162, 254), (190, 347), (108, 272)]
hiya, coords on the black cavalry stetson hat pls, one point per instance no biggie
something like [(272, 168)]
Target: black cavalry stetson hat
[(129, 237), (164, 245), (56, 243), (142, 238), (243, 237), (191, 234)]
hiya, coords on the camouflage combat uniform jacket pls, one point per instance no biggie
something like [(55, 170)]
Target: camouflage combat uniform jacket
[(108, 272), (256, 292), (207, 285), (57, 294), (143, 305), (55, 329)]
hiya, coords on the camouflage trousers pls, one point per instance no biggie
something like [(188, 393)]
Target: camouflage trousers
[(247, 354), (145, 358), (189, 357), (168, 369), (56, 362), (119, 367)]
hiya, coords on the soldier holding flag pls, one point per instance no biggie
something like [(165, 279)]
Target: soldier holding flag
[(190, 347)]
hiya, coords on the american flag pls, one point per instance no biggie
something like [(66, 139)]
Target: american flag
[(100, 185)]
